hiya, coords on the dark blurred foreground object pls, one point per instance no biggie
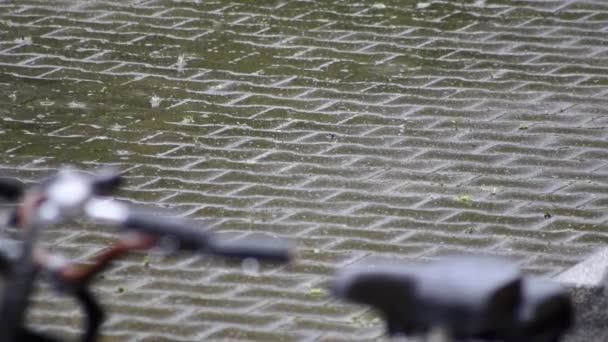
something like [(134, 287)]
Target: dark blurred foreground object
[(11, 188), (71, 194), (464, 297)]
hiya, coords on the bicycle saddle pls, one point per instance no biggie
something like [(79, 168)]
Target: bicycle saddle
[(466, 296)]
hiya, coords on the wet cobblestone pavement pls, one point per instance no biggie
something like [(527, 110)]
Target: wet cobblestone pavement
[(361, 130)]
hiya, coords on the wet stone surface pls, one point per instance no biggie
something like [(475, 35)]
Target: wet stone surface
[(395, 129)]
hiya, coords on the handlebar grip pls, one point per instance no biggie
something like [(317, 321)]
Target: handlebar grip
[(179, 234), (184, 236), (11, 189), (270, 250)]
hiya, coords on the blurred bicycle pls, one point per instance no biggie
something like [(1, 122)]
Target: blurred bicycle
[(71, 194)]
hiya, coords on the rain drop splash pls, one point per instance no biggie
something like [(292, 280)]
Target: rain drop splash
[(250, 266), (76, 105), (26, 40), (155, 101), (181, 62)]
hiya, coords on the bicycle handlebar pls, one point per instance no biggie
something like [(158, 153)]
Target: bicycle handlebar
[(68, 194), (256, 249), (186, 236), (181, 235)]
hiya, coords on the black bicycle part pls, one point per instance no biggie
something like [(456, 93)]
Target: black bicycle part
[(11, 189), (106, 182), (186, 236), (18, 288), (469, 298)]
